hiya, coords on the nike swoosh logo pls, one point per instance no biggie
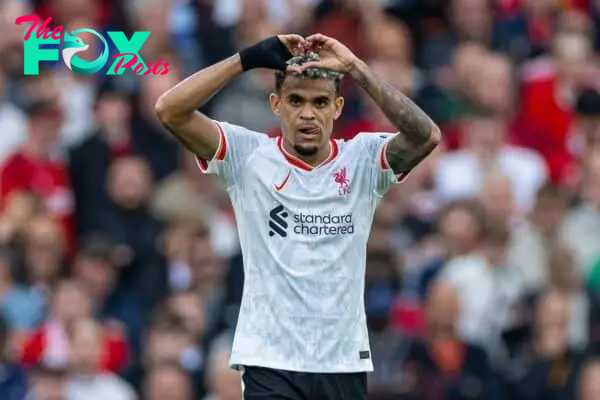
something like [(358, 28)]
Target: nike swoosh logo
[(280, 187)]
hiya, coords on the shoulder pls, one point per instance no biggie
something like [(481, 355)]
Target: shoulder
[(372, 136), (524, 156), (93, 142), (462, 267), (368, 141), (233, 130)]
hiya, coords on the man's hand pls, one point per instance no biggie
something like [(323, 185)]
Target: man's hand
[(419, 135), (333, 54), (295, 44)]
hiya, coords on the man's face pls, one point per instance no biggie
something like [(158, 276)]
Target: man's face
[(86, 345), (71, 302), (548, 214), (589, 127), (459, 232), (168, 383), (471, 17), (590, 382), (113, 110), (307, 107), (203, 261), (98, 274), (129, 182)]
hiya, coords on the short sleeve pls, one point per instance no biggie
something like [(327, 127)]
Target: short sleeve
[(236, 145), (373, 145)]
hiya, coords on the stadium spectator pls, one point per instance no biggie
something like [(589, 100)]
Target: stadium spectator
[(168, 381), (89, 160), (128, 223), (36, 166), (489, 291), (589, 386), (19, 305), (547, 366), (49, 345), (534, 238), (47, 384), (44, 254), (223, 381), (14, 380), (548, 98), (442, 365), (86, 380)]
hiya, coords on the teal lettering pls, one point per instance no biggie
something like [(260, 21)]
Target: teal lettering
[(128, 46), (33, 54)]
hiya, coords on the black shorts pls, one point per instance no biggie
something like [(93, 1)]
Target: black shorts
[(271, 384)]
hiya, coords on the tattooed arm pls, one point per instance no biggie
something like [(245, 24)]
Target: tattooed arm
[(418, 134)]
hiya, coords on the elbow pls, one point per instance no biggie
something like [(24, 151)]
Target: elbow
[(435, 137), (162, 110)]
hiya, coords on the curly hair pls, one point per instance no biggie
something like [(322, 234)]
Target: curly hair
[(313, 73)]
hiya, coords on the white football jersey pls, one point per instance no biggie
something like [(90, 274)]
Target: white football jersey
[(303, 233)]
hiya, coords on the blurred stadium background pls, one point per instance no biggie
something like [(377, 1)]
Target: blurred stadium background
[(120, 272)]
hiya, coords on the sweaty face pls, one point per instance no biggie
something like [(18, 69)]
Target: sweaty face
[(307, 107)]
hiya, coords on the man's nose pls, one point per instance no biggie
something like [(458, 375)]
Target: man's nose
[(307, 113)]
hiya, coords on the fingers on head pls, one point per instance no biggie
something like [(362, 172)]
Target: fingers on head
[(293, 38), (317, 38)]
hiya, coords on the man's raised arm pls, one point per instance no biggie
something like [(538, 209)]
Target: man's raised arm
[(177, 108), (418, 136)]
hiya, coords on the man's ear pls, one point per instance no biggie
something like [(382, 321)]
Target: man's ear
[(275, 102), (339, 106)]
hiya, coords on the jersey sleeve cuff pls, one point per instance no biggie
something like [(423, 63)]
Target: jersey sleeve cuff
[(220, 154), (385, 165)]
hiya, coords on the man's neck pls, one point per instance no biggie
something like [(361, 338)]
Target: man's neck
[(36, 149), (313, 160), (116, 134), (442, 334)]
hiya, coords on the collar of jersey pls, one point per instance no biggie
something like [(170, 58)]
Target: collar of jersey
[(295, 161)]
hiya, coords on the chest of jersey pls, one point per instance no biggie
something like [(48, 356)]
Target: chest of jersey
[(327, 202)]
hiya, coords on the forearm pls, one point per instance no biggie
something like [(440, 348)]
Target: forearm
[(193, 92), (402, 112), (419, 135)]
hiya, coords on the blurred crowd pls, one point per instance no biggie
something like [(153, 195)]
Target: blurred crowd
[(120, 269)]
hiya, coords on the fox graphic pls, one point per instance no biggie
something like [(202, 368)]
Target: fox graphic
[(73, 45)]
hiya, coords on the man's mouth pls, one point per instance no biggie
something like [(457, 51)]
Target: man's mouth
[(309, 130)]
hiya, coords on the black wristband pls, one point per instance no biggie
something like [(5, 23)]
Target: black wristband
[(268, 53)]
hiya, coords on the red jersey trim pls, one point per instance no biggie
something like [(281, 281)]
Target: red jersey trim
[(219, 154), (385, 165), (295, 161), (383, 162), (222, 149)]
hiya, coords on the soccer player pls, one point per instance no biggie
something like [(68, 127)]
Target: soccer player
[(304, 206)]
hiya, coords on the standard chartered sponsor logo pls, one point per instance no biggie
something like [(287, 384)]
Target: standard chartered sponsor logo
[(326, 224), (309, 224)]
